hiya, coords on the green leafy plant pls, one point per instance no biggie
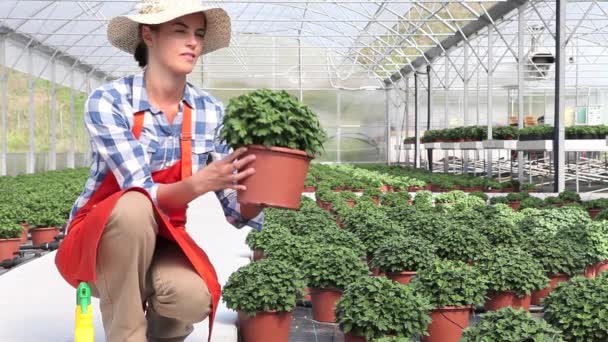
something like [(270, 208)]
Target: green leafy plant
[(393, 339), (406, 253), (532, 202), (528, 187), (501, 226), (423, 199), (516, 196), (505, 133), (579, 308), (261, 239), (548, 222), (553, 200), (568, 196), (46, 218), (372, 227), (450, 283), (509, 325), (479, 194), (9, 229), (499, 199), (557, 255), (395, 199), (333, 267), (290, 248), (591, 239), (460, 242), (510, 269), (374, 307), (263, 286), (602, 216), (338, 238), (272, 118)]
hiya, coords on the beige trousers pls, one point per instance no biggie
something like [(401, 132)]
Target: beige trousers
[(134, 265)]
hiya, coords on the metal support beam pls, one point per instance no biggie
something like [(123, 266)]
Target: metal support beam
[(31, 158), (559, 182), (52, 164), (446, 89), (3, 104), (429, 108), (490, 109), (388, 126), (465, 85), (521, 20), (416, 123), (72, 152), (339, 126)]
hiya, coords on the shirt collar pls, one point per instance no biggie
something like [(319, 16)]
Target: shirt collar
[(140, 95)]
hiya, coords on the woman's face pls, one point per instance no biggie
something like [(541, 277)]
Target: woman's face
[(177, 44)]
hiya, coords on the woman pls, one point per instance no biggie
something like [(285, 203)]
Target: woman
[(153, 136)]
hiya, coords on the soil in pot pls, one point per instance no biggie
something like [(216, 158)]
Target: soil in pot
[(324, 304), (537, 296), (447, 324), (501, 300), (401, 277), (279, 177), (8, 247), (43, 235), (265, 327)]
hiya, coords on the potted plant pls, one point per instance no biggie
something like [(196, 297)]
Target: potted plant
[(592, 240), (499, 200), (594, 207), (325, 197), (310, 183), (10, 238), (348, 197), (501, 226), (284, 134), (44, 226), (561, 258), (528, 187), (452, 287), (375, 307), (579, 308), (264, 307), (401, 257), (423, 199), (479, 194), (329, 270), (460, 242), (374, 193), (338, 238), (259, 240), (512, 275), (514, 199), (568, 196), (532, 202), (508, 325), (395, 199)]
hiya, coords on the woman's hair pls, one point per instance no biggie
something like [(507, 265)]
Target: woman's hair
[(141, 51)]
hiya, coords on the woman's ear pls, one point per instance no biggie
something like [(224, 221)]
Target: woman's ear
[(146, 35)]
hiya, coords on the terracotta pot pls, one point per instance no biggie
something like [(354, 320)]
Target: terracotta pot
[(410, 202), (590, 271), (24, 232), (384, 188), (390, 188), (307, 295), (537, 296), (558, 205), (375, 270), (501, 300), (324, 205), (279, 177), (468, 189), (414, 189), (515, 205), (8, 247), (258, 254), (354, 338), (339, 222), (324, 304), (376, 200), (428, 187), (337, 189), (435, 188), (265, 327), (601, 267), (351, 203), (593, 212), (43, 235), (447, 324), (310, 189), (401, 277)]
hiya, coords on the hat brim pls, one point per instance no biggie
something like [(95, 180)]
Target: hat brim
[(123, 30)]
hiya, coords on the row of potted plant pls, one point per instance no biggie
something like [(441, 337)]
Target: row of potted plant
[(479, 133), (471, 253)]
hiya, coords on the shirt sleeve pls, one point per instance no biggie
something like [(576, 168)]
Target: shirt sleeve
[(228, 197), (113, 141)]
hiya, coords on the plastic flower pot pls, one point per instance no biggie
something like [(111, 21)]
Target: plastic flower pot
[(601, 267), (384, 188), (590, 271), (324, 205), (376, 200), (307, 295), (24, 232), (537, 296), (8, 247), (447, 324), (279, 177), (375, 270), (499, 300), (594, 212), (324, 304), (515, 205), (401, 277), (258, 254), (43, 235), (351, 203), (265, 326), (310, 189)]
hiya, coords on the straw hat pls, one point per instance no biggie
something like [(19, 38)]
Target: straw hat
[(123, 30)]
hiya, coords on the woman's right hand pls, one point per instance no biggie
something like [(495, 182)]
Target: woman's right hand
[(223, 174)]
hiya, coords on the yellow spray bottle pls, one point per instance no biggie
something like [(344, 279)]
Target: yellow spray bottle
[(84, 315)]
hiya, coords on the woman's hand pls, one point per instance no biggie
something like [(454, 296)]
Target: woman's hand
[(223, 174)]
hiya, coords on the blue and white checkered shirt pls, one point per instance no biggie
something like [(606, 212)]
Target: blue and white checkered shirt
[(108, 119)]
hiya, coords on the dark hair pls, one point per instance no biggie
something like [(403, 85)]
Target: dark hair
[(141, 51)]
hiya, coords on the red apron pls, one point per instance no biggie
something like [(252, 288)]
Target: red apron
[(77, 253)]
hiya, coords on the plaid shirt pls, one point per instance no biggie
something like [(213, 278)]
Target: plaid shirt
[(108, 118)]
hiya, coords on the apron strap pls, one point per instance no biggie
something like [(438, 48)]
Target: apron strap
[(186, 142)]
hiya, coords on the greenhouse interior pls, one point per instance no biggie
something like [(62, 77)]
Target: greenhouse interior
[(267, 171)]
